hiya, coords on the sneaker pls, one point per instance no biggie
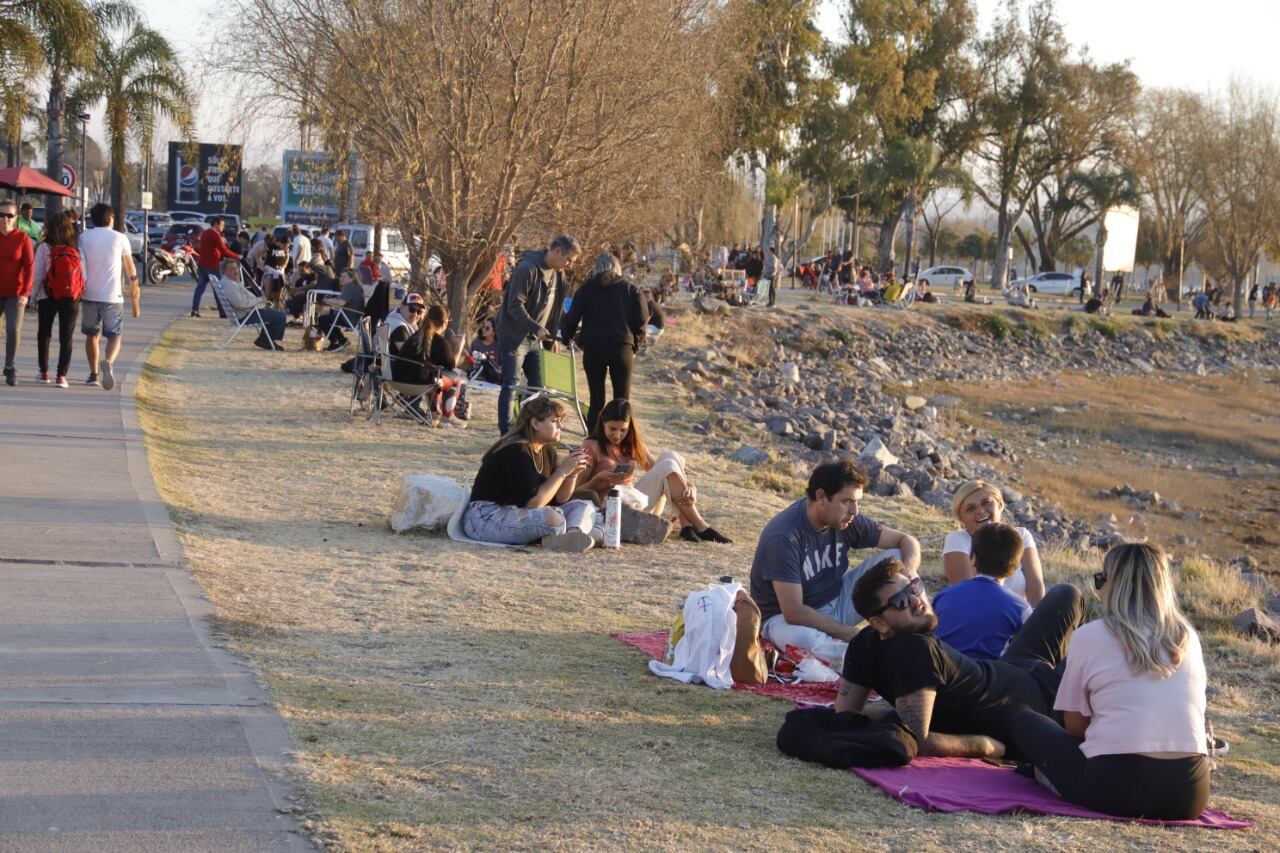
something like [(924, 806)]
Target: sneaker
[(340, 345), (195, 313), (574, 541), (713, 535), (11, 376), (62, 382), (108, 376), (644, 528), (451, 422), (44, 377), (688, 534), (92, 380)]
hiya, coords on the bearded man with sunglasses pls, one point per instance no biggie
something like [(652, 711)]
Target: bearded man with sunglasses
[(955, 705)]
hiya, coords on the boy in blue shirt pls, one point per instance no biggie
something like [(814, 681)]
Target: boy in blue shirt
[(978, 616)]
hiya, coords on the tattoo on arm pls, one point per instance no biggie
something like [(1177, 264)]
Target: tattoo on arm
[(916, 711)]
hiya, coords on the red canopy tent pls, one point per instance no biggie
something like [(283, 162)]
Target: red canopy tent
[(27, 180)]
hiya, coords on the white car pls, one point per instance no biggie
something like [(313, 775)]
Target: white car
[(1052, 283), (395, 253), (944, 276)]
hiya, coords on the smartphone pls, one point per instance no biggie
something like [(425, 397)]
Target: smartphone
[(623, 467)]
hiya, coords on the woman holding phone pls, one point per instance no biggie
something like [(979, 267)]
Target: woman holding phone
[(616, 450)]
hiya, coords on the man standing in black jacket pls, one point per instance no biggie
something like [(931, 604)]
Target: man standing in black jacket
[(531, 307)]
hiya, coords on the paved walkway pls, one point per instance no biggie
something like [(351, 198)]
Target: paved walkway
[(122, 727)]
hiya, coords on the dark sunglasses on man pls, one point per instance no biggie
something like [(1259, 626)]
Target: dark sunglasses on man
[(901, 599), (8, 216)]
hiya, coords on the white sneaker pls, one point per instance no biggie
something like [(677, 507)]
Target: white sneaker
[(574, 541), (108, 377)]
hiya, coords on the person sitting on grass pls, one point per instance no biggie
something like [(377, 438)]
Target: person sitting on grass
[(955, 706), (524, 494), (974, 504), (801, 577), (1132, 700), (1150, 308), (978, 616), (242, 302), (971, 294), (616, 451)]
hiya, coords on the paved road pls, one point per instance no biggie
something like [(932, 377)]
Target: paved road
[(121, 726)]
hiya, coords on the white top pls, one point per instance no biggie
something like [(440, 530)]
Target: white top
[(300, 249), (102, 250), (1132, 713), (960, 542)]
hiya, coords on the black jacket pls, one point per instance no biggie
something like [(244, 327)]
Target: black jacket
[(611, 311), (844, 740), (532, 290)]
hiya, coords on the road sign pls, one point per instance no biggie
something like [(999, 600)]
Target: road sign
[(146, 201), (68, 177)]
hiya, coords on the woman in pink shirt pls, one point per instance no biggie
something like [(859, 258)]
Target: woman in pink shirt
[(1132, 700)]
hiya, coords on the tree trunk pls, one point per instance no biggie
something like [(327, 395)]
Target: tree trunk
[(117, 198), (459, 300), (911, 209), (53, 166), (768, 226), (1000, 265), (1097, 262), (884, 245)]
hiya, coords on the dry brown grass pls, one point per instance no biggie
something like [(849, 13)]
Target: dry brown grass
[(444, 696)]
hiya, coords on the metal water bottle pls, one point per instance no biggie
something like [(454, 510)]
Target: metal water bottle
[(613, 519)]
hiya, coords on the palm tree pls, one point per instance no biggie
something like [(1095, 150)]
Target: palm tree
[(140, 79), (1101, 191), (68, 32), (20, 59)]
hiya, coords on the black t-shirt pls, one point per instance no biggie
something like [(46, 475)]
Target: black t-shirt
[(277, 256), (973, 696), (507, 477), (443, 354)]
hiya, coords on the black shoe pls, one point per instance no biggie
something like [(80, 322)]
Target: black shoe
[(92, 380), (713, 535), (262, 343), (195, 313), (340, 345), (11, 376), (688, 534)]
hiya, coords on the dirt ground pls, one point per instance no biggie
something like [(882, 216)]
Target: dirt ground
[(447, 696)]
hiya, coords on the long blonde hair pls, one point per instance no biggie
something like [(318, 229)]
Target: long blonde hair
[(1140, 609), (521, 431)]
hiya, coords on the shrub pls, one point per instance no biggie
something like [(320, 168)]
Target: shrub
[(999, 327), (1107, 328), (844, 336)]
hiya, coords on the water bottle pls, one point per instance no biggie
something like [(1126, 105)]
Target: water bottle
[(613, 519)]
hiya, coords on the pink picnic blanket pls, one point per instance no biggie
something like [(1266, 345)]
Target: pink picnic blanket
[(970, 785), (654, 644)]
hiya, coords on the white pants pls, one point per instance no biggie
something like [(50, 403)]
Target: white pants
[(651, 492), (778, 631)]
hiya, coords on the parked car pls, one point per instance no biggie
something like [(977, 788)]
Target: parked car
[(1052, 283), (187, 216), (395, 252), (285, 232), (134, 233), (182, 232), (952, 277), (231, 226)]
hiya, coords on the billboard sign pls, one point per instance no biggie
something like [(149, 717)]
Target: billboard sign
[(1122, 239), (311, 187), (204, 178)]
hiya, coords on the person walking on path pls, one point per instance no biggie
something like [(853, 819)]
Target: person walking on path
[(107, 259), (17, 262), (59, 285), (530, 308), (28, 225), (613, 315), (213, 251), (299, 248)]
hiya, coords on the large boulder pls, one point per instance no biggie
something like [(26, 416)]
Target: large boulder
[(1256, 622), (876, 450), (748, 455), (426, 502)]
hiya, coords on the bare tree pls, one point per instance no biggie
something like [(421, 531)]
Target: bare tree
[(483, 121)]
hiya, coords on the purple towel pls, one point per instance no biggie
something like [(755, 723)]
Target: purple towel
[(967, 784)]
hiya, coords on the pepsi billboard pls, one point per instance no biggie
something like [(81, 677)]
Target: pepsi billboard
[(204, 178)]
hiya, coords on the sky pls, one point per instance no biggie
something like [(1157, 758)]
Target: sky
[(1171, 43)]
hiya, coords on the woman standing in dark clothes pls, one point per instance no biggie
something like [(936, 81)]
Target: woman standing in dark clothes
[(612, 314)]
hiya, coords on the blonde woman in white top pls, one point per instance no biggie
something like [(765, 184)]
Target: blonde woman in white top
[(1132, 700), (976, 503)]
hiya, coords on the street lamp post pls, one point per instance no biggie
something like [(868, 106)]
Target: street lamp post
[(84, 178)]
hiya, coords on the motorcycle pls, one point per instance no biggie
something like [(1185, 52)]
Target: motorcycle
[(161, 263)]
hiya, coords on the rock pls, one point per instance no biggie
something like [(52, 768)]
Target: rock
[(1258, 624), (944, 402), (879, 365), (778, 425), (1143, 365), (426, 502), (915, 402), (1245, 562), (877, 450), (829, 439), (790, 373), (749, 456), (902, 490)]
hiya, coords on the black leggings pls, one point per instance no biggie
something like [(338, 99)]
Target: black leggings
[(66, 311), (1123, 785), (617, 361)]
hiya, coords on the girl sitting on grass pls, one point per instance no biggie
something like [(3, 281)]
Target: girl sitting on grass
[(616, 450), (523, 493)]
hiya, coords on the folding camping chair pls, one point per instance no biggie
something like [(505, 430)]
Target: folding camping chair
[(253, 318), (559, 381), (760, 298), (404, 399), (900, 294)]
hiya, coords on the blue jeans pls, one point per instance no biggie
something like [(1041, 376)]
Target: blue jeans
[(525, 352), (485, 521), (203, 277)]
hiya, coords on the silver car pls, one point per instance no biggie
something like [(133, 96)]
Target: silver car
[(944, 276), (1052, 283)]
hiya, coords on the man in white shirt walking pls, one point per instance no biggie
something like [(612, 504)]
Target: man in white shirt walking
[(300, 248), (107, 259)]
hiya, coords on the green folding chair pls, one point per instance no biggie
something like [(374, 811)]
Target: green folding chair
[(559, 381)]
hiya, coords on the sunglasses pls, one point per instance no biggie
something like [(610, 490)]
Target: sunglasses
[(901, 599), (8, 216), (1099, 580), (417, 309)]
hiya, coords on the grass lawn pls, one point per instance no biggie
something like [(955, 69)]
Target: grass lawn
[(444, 696)]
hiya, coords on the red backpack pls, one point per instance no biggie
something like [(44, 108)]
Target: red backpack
[(66, 279)]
